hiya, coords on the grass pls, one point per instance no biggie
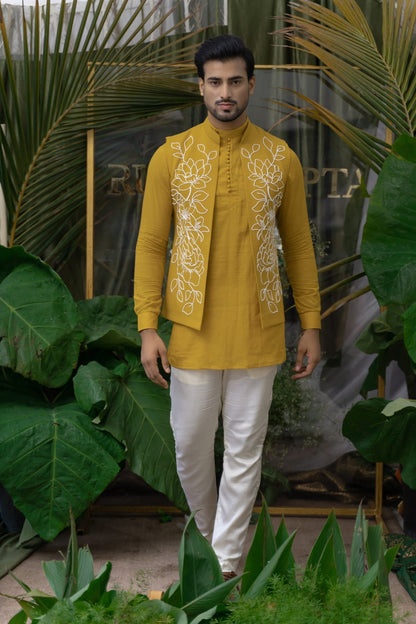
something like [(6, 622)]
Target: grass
[(293, 603)]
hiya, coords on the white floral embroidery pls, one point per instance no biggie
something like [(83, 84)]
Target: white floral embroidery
[(189, 196), (267, 179)]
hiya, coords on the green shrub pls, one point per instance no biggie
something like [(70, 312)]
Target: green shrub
[(299, 603), (122, 608)]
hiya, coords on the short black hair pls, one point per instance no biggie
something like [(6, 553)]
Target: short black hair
[(221, 48)]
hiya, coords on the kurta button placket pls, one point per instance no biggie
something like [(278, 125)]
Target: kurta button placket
[(229, 164)]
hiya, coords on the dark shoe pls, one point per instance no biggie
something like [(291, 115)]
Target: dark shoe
[(228, 575)]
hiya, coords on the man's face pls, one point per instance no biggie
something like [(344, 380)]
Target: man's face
[(226, 90)]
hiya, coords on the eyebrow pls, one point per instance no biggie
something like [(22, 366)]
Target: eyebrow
[(218, 78)]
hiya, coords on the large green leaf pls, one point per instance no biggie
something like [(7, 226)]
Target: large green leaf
[(386, 336), (95, 588), (205, 606), (201, 587), (388, 248), (381, 437), (199, 569), (329, 541), (136, 412), (276, 566), (160, 607), (262, 548), (289, 566), (52, 458), (38, 318), (368, 581), (324, 573), (383, 331), (359, 537), (109, 322), (374, 545), (377, 553), (409, 328), (59, 573)]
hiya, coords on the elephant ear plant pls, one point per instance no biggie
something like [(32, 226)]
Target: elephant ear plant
[(382, 430), (74, 399)]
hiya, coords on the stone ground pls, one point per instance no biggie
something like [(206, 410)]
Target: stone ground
[(144, 552)]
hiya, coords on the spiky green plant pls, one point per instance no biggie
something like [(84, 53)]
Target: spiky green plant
[(89, 67), (379, 79)]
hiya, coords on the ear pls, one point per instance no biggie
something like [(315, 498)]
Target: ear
[(201, 86), (251, 84)]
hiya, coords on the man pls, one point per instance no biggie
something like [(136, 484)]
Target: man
[(226, 183)]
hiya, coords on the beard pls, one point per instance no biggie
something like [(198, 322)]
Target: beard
[(226, 115)]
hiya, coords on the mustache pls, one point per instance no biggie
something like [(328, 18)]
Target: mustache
[(228, 101)]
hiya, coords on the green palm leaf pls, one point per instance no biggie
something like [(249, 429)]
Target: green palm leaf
[(91, 68), (379, 79), (381, 82)]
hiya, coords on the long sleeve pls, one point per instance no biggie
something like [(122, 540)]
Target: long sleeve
[(152, 242), (293, 225)]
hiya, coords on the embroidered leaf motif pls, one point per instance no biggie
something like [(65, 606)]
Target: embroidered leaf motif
[(188, 196), (260, 195), (188, 143), (267, 178)]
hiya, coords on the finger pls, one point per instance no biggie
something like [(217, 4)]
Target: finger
[(159, 380), (299, 364), (152, 372), (165, 362), (299, 372), (305, 371)]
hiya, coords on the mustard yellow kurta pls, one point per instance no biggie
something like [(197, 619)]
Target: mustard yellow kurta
[(238, 264), (231, 335)]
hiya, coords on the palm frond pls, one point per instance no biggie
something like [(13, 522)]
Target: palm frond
[(108, 62), (369, 148), (347, 299), (381, 82), (347, 281)]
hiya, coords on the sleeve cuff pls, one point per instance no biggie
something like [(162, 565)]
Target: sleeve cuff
[(310, 320), (147, 320)]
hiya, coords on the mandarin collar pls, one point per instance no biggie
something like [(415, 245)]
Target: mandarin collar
[(215, 133)]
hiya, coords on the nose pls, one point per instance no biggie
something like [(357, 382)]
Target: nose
[(225, 91)]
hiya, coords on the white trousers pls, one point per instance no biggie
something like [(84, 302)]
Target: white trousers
[(243, 397)]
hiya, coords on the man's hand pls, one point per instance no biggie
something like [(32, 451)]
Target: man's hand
[(154, 348), (309, 348)]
